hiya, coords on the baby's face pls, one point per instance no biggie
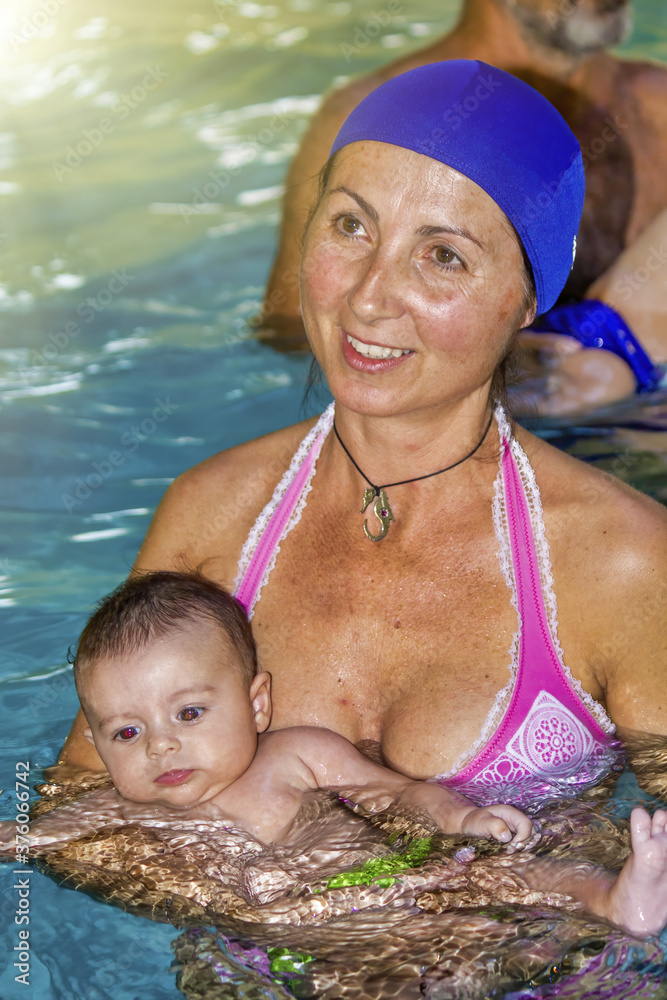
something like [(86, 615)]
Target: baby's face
[(175, 723)]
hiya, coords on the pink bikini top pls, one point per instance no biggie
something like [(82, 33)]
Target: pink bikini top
[(545, 738)]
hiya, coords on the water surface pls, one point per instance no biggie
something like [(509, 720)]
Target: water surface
[(142, 152)]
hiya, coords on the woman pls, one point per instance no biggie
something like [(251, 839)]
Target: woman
[(421, 263)]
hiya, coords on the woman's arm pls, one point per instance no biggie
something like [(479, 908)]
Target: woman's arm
[(201, 523), (635, 648), (169, 536), (616, 557), (71, 821), (77, 754)]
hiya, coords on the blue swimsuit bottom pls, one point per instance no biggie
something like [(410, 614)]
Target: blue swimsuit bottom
[(595, 324)]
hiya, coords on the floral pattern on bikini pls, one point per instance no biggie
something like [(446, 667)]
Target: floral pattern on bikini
[(551, 741), (551, 753)]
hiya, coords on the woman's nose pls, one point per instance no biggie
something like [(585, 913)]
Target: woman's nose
[(161, 743), (377, 293)]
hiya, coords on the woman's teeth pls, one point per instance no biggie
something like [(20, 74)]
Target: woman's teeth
[(374, 351)]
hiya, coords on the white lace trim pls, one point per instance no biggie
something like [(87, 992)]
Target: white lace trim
[(499, 513), (534, 501), (323, 426), (502, 699)]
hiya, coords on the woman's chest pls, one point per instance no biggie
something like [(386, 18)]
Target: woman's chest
[(408, 651)]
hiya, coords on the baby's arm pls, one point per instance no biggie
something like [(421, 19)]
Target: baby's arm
[(334, 763)]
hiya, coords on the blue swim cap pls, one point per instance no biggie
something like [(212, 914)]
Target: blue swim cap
[(504, 136)]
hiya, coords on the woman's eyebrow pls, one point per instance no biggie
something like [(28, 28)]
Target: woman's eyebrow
[(422, 231), (455, 231), (368, 209)]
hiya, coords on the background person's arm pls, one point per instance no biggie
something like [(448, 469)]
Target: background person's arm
[(584, 378)]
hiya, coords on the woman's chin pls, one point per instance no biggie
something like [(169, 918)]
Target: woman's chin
[(359, 397)]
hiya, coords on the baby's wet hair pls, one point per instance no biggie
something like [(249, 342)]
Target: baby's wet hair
[(148, 607)]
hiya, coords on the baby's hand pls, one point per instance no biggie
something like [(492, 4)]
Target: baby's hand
[(504, 823)]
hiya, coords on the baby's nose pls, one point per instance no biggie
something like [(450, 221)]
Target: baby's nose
[(162, 743)]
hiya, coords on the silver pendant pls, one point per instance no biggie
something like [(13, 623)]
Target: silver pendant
[(382, 511)]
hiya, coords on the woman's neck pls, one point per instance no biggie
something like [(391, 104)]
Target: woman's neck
[(398, 447)]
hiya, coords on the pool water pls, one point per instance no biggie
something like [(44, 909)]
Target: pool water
[(133, 251)]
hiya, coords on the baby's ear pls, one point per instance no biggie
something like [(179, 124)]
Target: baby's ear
[(88, 733), (260, 697)]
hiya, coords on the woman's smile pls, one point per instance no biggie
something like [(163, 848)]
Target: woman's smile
[(369, 357)]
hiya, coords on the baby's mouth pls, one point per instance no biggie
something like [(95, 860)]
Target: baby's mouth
[(374, 350), (173, 777)]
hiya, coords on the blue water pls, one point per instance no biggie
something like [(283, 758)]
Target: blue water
[(124, 356)]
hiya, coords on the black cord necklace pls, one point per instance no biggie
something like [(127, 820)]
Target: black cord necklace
[(382, 509)]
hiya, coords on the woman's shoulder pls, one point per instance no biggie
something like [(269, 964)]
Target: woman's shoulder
[(264, 459), (594, 511), (208, 511)]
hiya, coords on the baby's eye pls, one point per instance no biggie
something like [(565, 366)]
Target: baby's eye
[(444, 255), (127, 733), (189, 714)]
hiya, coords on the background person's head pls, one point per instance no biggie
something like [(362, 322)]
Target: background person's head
[(166, 671), (575, 27), (480, 153)]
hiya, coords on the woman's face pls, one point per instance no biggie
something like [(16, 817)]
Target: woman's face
[(411, 282)]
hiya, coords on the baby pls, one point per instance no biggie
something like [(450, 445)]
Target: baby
[(166, 672)]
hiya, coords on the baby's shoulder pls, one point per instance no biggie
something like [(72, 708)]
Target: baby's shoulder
[(296, 752)]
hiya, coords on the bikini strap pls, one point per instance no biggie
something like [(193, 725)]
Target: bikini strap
[(280, 515), (526, 562), (527, 580)]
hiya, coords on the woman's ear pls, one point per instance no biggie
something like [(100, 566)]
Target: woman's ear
[(260, 698), (529, 316)]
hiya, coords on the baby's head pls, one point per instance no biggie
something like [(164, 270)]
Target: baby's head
[(166, 672)]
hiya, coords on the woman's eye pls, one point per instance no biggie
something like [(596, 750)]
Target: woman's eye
[(128, 733), (444, 255), (349, 225), (189, 714)]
